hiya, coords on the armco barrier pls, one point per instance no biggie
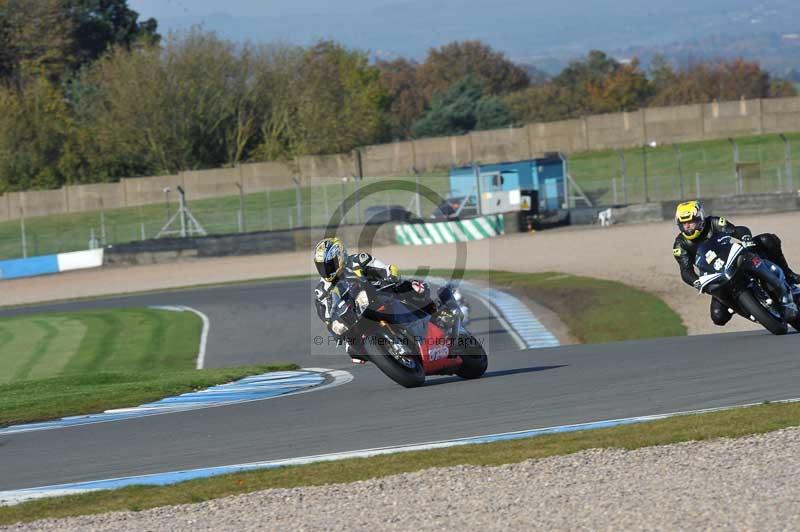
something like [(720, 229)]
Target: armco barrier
[(46, 264), (421, 234)]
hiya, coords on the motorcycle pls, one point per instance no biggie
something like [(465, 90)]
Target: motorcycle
[(405, 344), (749, 285)]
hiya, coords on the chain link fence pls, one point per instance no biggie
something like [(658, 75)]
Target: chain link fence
[(675, 172), (315, 205), (650, 173)]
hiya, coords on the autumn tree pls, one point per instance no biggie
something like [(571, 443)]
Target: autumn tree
[(491, 70), (706, 82), (400, 80)]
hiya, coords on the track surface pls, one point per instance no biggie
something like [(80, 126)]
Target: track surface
[(265, 322)]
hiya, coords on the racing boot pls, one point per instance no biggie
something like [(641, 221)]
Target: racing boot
[(771, 245), (789, 308)]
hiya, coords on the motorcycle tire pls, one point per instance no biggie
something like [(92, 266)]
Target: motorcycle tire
[(751, 306), (474, 360), (392, 368)]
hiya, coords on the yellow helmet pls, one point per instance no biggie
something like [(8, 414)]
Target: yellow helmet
[(690, 212), (330, 257)]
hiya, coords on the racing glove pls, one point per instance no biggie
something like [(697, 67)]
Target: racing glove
[(697, 284), (748, 242)]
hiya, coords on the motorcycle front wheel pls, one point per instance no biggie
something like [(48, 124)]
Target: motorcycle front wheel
[(750, 305), (407, 372), (474, 360)]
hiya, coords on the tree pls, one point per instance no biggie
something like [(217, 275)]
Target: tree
[(191, 104), (34, 126), (626, 88), (462, 108), (341, 102), (400, 80), (100, 24), (56, 37), (36, 38), (545, 103), (493, 73), (705, 82)]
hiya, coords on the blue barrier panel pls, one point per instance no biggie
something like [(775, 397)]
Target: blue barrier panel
[(11, 269)]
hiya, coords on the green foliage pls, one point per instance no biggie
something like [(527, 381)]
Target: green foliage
[(100, 24), (341, 101), (34, 126), (461, 109)]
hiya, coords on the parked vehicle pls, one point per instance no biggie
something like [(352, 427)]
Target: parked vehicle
[(380, 214), (456, 207)]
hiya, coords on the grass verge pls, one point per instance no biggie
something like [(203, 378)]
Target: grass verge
[(594, 310), (730, 424), (53, 398), (70, 363)]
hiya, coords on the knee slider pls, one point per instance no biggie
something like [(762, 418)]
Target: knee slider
[(720, 316)]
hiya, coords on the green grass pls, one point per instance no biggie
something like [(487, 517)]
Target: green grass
[(712, 161), (594, 310), (73, 343), (726, 424), (70, 363), (56, 397)]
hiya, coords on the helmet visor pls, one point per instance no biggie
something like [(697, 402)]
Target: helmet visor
[(327, 269)]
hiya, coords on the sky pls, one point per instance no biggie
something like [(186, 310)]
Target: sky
[(248, 8), (526, 30)]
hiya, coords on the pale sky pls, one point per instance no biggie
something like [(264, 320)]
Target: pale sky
[(245, 8)]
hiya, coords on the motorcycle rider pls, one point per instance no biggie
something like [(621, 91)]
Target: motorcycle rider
[(695, 228), (333, 262)]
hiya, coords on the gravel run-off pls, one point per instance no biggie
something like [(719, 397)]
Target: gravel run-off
[(727, 484)]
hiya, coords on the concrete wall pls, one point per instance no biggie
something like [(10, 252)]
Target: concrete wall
[(620, 130), (258, 177), (144, 190), (780, 114), (82, 198), (681, 123), (37, 203), (665, 125), (339, 165), (500, 145), (388, 159), (568, 136), (732, 119), (204, 184)]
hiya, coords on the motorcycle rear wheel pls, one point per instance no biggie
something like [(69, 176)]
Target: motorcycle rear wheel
[(408, 377), (751, 306)]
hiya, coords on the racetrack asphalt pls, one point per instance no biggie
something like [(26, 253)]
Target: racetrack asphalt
[(275, 321)]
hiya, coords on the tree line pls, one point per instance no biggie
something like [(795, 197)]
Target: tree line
[(89, 93)]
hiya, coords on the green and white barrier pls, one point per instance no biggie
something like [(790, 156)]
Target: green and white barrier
[(423, 234)]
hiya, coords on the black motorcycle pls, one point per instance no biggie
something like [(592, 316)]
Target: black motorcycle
[(406, 344), (748, 284)]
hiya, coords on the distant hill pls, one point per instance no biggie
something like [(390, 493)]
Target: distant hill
[(544, 34)]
